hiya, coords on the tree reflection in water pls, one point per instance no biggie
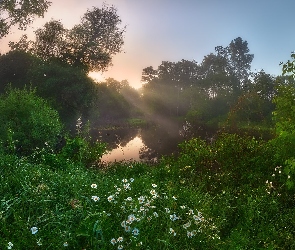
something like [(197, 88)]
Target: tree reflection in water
[(130, 151), (145, 144)]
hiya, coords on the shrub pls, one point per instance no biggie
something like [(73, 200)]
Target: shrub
[(27, 121)]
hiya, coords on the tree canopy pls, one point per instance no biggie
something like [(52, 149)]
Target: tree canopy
[(20, 12), (89, 45)]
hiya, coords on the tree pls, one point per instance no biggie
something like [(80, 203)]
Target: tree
[(240, 59), (69, 90), (236, 60), (14, 67), (94, 41), (89, 45), (163, 87), (50, 41), (20, 12)]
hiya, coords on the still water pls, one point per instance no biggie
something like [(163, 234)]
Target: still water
[(145, 144), (129, 152)]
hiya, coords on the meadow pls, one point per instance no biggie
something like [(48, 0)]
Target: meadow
[(213, 196)]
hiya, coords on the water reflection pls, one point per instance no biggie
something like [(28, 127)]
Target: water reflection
[(145, 144), (128, 152)]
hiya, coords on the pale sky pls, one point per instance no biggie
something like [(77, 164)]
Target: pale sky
[(171, 30)]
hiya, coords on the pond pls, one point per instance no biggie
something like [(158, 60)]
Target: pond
[(144, 144)]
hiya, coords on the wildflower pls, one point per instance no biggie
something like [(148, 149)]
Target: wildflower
[(119, 189), (131, 180), (124, 180), (154, 185), (111, 198), (141, 199), (113, 241), (171, 231), (156, 214), (190, 212), (173, 217), (198, 217), (189, 234), (187, 225), (10, 245), (135, 231), (127, 186), (153, 192), (66, 244), (95, 198), (167, 210), (120, 247), (129, 199), (93, 185), (127, 228), (182, 207), (120, 239), (174, 198), (34, 230), (131, 218)]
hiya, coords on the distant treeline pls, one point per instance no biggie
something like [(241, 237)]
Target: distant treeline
[(221, 91)]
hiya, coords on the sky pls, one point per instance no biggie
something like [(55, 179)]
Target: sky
[(172, 30)]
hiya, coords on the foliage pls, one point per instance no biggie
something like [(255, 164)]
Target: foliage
[(208, 89), (27, 121), (81, 148), (230, 158), (284, 114), (89, 45), (137, 206), (69, 90), (20, 12), (14, 67)]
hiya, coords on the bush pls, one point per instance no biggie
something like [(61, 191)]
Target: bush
[(27, 122)]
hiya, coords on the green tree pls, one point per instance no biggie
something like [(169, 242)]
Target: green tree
[(255, 104), (20, 12), (14, 67), (89, 45), (69, 90), (163, 88)]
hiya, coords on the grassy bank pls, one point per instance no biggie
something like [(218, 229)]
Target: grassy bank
[(207, 198)]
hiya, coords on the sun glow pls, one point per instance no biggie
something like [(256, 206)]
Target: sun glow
[(96, 76)]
